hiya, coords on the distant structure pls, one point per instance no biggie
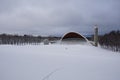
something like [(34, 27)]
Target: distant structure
[(77, 38), (73, 38)]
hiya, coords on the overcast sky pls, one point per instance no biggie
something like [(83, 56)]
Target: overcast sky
[(56, 17)]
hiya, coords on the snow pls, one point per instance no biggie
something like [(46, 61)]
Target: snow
[(58, 62)]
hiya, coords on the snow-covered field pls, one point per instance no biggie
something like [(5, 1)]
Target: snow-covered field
[(58, 62)]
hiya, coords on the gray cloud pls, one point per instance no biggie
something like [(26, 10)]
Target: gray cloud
[(50, 17)]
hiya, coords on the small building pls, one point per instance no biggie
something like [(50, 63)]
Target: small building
[(74, 38), (46, 42)]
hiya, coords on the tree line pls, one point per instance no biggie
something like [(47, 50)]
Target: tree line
[(22, 40), (111, 41)]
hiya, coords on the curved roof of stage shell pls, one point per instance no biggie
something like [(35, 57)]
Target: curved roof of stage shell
[(74, 36)]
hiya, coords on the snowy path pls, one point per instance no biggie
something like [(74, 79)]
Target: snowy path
[(58, 62)]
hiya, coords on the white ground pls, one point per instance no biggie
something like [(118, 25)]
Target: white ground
[(58, 62)]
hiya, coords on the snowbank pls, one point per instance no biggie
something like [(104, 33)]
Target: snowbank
[(58, 62)]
